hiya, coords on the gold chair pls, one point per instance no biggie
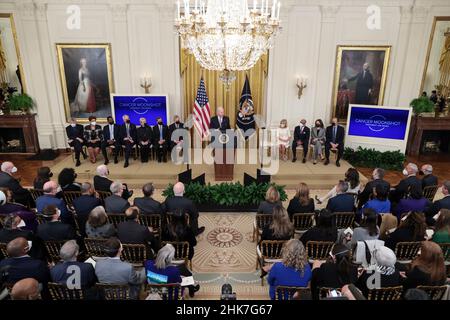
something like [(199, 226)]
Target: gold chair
[(302, 222), (261, 220), (116, 218), (268, 251), (344, 220), (102, 195), (3, 249), (181, 252), (114, 291), (53, 247), (287, 293), (169, 216), (151, 220), (318, 250), (36, 193), (61, 292), (407, 251), (95, 247), (385, 294), (429, 192), (171, 291), (136, 254), (69, 196), (434, 292)]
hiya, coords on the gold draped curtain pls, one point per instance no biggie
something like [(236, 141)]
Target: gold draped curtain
[(444, 66), (3, 71), (218, 95)]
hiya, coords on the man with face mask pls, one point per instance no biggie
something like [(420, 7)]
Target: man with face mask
[(177, 124), (160, 139), (20, 194), (402, 189), (111, 134), (144, 136), (335, 135), (75, 136), (53, 228), (301, 138), (128, 137)]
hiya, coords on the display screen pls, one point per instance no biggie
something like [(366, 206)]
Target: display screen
[(136, 107)]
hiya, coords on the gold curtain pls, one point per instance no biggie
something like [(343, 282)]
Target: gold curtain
[(218, 96), (444, 66), (3, 71)]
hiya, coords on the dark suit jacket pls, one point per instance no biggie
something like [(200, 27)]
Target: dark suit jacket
[(123, 132), (46, 200), (340, 134), (364, 196), (73, 133), (60, 274), (444, 203), (401, 235), (102, 184), (36, 251), (7, 181), (156, 133), (116, 204), (26, 267), (214, 123), (341, 203), (429, 180), (132, 232), (144, 134), (83, 206), (302, 136), (296, 207), (266, 207), (403, 187), (172, 128), (181, 203), (55, 231), (107, 136), (148, 205)]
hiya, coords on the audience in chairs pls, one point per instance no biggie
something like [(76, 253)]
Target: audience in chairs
[(301, 202), (324, 230), (97, 225), (281, 227), (342, 201), (178, 230), (414, 202), (412, 228), (353, 185), (43, 175), (368, 191), (369, 229), (7, 180), (84, 204), (66, 179), (115, 203), (130, 231), (380, 202), (49, 198), (442, 227), (272, 199), (146, 204), (401, 190), (53, 228), (428, 180), (438, 205), (294, 269), (102, 183), (7, 207), (26, 289)]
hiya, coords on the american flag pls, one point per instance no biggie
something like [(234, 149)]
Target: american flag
[(202, 112)]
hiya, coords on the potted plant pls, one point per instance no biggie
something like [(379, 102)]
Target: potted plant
[(423, 106), (20, 103)]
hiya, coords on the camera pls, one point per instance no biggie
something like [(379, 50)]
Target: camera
[(227, 292)]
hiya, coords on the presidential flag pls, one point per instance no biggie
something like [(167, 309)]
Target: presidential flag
[(245, 119), (202, 112)]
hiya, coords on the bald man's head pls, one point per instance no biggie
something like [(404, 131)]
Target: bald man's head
[(17, 247), (178, 189), (7, 167), (50, 187), (25, 289), (220, 111)]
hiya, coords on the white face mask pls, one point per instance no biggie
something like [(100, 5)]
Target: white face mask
[(73, 125), (93, 123), (21, 224), (59, 189), (405, 172), (13, 170)]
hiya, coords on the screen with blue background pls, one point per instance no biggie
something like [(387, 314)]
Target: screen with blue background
[(378, 123), (148, 107)]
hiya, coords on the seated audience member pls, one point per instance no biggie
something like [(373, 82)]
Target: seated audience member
[(112, 270), (161, 137), (294, 269), (26, 289), (414, 202), (412, 228), (144, 139), (64, 271), (369, 229), (53, 228), (180, 202), (334, 135), (130, 231), (128, 137), (302, 202), (428, 180), (97, 225), (401, 190), (115, 203), (111, 137), (380, 202), (49, 198), (323, 230), (75, 139), (353, 185), (438, 205), (84, 204), (427, 269), (368, 191), (93, 136), (66, 179), (7, 207), (342, 201), (301, 138), (178, 230), (175, 140), (317, 140), (336, 272), (162, 271), (21, 265), (272, 198), (442, 227), (7, 180), (281, 227), (146, 204), (102, 183), (284, 137), (389, 276), (43, 175)]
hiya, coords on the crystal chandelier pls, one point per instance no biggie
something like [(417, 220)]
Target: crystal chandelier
[(226, 35)]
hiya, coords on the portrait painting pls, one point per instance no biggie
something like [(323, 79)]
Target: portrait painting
[(360, 77), (86, 80)]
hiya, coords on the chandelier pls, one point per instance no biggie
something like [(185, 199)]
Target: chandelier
[(226, 35)]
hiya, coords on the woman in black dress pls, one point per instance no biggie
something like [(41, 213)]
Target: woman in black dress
[(302, 202), (93, 135)]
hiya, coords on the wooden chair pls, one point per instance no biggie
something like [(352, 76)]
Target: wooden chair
[(434, 292), (181, 252), (287, 293), (302, 222), (36, 193), (407, 251), (344, 220), (116, 218), (95, 247), (385, 294), (61, 292), (324, 292), (169, 216), (40, 218), (429, 192), (171, 291), (69, 196), (53, 248), (261, 220), (136, 254), (102, 195), (3, 249), (318, 250), (151, 220), (268, 251), (114, 291)]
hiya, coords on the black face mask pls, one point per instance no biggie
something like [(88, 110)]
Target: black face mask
[(177, 122), (317, 125), (334, 124), (127, 121), (75, 176), (111, 122), (159, 122)]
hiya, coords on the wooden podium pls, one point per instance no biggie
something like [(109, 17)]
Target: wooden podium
[(223, 170)]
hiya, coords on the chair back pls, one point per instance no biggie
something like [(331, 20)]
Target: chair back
[(319, 250), (344, 220), (53, 247), (134, 253), (169, 216), (3, 249), (95, 247), (385, 294), (407, 251), (69, 196), (181, 249), (61, 292), (151, 220), (114, 291), (40, 218), (429, 192), (303, 221), (170, 291), (36, 193), (116, 218), (271, 249), (102, 195), (434, 292), (263, 220), (287, 293)]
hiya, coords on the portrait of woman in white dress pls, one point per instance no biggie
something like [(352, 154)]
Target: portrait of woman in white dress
[(85, 97)]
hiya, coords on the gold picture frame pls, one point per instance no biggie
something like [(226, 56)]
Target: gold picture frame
[(352, 58), (10, 16), (86, 85)]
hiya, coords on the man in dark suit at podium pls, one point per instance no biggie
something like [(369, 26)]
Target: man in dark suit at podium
[(220, 121), (111, 136), (75, 139), (160, 137), (301, 138), (334, 136), (128, 137)]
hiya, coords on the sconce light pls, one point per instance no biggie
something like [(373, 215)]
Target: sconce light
[(301, 84), (146, 83)]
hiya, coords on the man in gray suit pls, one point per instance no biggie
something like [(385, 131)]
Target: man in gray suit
[(112, 270), (115, 203)]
